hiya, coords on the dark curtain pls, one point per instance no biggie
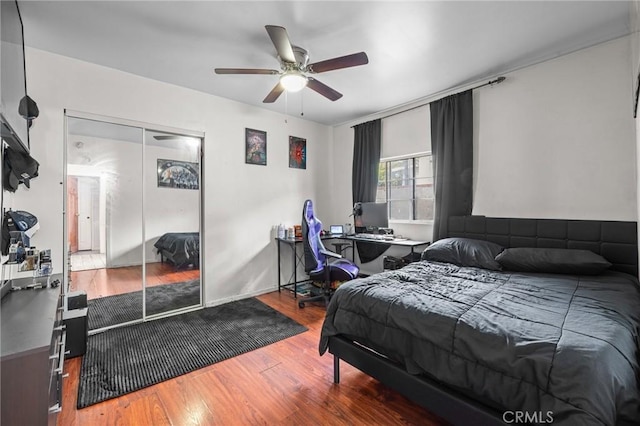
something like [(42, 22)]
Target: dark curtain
[(452, 150), (366, 156)]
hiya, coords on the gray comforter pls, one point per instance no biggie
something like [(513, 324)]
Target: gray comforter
[(562, 344)]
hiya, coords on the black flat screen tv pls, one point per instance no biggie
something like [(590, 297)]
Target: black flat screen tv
[(13, 82)]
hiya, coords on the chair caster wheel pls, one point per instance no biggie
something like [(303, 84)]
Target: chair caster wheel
[(300, 305)]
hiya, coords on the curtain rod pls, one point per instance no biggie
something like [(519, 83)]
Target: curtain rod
[(488, 83)]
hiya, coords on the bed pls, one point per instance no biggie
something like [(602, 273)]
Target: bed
[(484, 346), (179, 248)]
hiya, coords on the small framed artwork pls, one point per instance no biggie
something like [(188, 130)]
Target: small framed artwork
[(297, 153), (255, 147), (178, 174)]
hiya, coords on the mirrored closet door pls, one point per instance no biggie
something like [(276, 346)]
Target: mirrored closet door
[(132, 219), (172, 222)]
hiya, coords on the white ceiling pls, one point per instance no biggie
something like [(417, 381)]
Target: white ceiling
[(416, 49)]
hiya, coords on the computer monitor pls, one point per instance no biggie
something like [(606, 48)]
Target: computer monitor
[(371, 217)]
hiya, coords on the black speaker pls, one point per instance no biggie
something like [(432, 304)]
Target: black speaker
[(391, 263), (76, 300), (76, 325)]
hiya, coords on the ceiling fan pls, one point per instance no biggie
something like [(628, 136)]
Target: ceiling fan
[(295, 67)]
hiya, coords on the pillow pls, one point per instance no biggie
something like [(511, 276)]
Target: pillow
[(553, 260), (464, 252)]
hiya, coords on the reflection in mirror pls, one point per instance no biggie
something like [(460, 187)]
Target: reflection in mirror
[(171, 222), (104, 218)]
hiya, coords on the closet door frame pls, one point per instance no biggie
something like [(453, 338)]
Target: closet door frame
[(144, 127)]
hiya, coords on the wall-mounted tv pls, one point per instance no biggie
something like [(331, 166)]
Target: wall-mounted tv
[(13, 83)]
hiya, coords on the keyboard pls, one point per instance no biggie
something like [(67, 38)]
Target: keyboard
[(383, 237)]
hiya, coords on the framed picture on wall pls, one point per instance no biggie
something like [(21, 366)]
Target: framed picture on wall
[(255, 147), (178, 174), (297, 153)]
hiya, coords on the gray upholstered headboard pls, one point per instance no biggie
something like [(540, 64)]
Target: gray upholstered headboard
[(615, 241)]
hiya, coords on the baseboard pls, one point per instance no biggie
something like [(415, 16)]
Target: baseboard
[(239, 297)]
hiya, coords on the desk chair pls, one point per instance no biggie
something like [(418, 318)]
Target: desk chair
[(316, 258)]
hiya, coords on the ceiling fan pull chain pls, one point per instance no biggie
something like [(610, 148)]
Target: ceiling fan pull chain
[(286, 106), (301, 104)]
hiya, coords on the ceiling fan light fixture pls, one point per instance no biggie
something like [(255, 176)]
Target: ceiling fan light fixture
[(293, 81)]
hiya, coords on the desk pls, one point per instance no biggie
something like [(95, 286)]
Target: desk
[(298, 259), (412, 244), (295, 258)]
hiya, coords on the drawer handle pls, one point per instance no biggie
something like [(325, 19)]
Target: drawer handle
[(59, 328), (63, 343), (55, 409)]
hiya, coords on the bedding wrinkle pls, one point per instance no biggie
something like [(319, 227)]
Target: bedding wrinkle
[(459, 319), (560, 337)]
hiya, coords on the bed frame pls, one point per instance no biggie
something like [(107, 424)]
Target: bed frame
[(614, 240)]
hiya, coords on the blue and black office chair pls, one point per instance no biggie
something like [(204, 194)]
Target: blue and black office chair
[(316, 258)]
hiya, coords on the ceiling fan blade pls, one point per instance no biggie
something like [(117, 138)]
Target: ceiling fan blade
[(323, 89), (274, 94), (338, 63), (281, 41), (245, 71)]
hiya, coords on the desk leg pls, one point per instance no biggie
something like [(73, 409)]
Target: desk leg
[(295, 271), (279, 279)]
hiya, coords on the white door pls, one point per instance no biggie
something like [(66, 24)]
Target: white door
[(85, 210)]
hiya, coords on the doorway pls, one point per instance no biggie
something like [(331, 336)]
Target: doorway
[(86, 226), (133, 218)]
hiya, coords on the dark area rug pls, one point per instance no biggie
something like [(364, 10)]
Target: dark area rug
[(127, 359), (112, 310)]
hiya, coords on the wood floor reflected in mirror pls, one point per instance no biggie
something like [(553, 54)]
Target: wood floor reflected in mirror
[(113, 281)]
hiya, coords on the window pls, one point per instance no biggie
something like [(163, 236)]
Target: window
[(407, 186)]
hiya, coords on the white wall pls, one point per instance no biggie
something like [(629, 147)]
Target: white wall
[(241, 202), (555, 140), (634, 9), (119, 164)]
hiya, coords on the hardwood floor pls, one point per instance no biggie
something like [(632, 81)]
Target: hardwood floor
[(110, 281), (286, 383)]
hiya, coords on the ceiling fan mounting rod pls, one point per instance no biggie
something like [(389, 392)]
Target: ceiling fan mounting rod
[(289, 66)]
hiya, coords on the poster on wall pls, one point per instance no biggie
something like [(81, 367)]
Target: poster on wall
[(178, 174), (255, 147), (297, 153)]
